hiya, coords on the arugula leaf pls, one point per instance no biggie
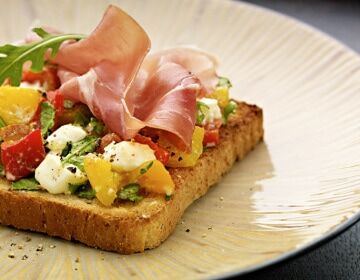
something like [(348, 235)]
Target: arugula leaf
[(82, 190), (2, 172), (229, 109), (13, 57), (66, 149), (95, 126), (88, 194), (47, 117), (82, 115), (130, 192), (224, 82), (26, 184), (2, 123), (146, 168), (78, 161), (80, 148), (201, 112)]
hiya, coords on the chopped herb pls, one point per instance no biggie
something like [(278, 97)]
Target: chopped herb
[(80, 148), (88, 194), (167, 197), (229, 109), (82, 191), (26, 184), (78, 161), (82, 115), (66, 150), (74, 187), (2, 123), (130, 192), (201, 112), (47, 117), (2, 172), (95, 127), (68, 104), (224, 82), (13, 57), (146, 168)]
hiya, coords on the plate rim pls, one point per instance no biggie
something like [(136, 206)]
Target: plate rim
[(338, 229)]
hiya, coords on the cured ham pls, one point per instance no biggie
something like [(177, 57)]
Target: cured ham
[(203, 65), (128, 92)]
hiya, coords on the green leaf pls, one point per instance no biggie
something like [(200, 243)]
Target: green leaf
[(26, 184), (82, 190), (2, 123), (95, 127), (78, 161), (47, 117), (146, 168), (82, 115), (13, 57), (80, 148), (41, 32), (201, 112), (167, 197), (130, 192), (2, 172), (224, 82), (229, 109), (66, 150), (73, 188), (88, 194)]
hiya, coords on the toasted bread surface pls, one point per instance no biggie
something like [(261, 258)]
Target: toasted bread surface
[(127, 227)]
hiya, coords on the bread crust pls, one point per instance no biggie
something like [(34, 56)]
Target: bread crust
[(127, 228)]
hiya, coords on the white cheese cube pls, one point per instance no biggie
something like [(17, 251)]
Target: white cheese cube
[(67, 133), (36, 85), (56, 178), (214, 112), (127, 156)]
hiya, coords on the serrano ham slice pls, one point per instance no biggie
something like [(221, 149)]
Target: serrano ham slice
[(103, 71)]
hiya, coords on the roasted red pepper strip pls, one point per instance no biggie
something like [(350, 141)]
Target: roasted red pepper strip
[(211, 137), (160, 153), (20, 158)]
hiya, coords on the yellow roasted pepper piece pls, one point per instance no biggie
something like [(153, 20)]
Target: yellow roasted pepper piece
[(180, 158), (153, 177), (102, 179), (221, 94), (18, 105)]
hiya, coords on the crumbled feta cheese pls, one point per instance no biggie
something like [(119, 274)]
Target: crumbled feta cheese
[(126, 156), (57, 140), (214, 112), (35, 85), (55, 178)]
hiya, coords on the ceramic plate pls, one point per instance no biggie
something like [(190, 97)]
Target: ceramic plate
[(298, 187)]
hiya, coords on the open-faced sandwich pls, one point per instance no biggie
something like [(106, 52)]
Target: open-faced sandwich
[(106, 144)]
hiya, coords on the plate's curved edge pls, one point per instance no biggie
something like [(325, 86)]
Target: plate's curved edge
[(294, 253), (331, 234)]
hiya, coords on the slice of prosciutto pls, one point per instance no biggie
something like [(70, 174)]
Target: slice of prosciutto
[(107, 72), (203, 65)]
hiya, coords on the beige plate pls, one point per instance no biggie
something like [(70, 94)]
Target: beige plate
[(295, 189)]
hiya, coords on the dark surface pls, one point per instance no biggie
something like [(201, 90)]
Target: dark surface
[(339, 258)]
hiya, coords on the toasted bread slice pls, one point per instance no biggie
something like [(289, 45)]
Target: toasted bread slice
[(127, 227)]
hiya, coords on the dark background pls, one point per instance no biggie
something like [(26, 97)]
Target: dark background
[(339, 258)]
